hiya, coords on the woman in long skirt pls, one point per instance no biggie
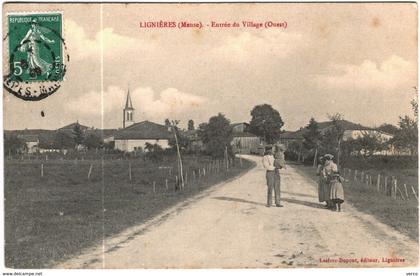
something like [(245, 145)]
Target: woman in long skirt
[(321, 180), (329, 168)]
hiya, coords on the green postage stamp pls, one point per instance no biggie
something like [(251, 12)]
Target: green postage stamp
[(36, 54)]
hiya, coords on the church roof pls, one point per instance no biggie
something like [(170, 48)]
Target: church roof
[(144, 130), (128, 103)]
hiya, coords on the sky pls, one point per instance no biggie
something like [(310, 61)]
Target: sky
[(356, 59)]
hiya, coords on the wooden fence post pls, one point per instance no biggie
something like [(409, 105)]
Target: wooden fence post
[(176, 181), (193, 176), (402, 196), (240, 161), (395, 188), (166, 184), (90, 171), (42, 170), (129, 170), (186, 177), (355, 175), (414, 192), (154, 187), (386, 185), (378, 182), (406, 191)]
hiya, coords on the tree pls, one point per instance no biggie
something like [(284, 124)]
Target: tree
[(368, 144), (191, 125), (62, 140), (167, 122), (176, 144), (217, 136), (407, 135), (332, 138), (266, 122), (78, 134), (92, 141), (312, 138), (388, 128), (154, 152), (13, 144), (181, 138)]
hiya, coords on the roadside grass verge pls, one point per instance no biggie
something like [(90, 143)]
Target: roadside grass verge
[(402, 215), (54, 217)]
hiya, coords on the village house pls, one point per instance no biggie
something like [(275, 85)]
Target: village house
[(132, 137), (135, 136), (350, 131), (195, 142), (243, 140), (31, 142)]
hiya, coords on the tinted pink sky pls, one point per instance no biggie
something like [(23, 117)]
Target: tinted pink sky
[(356, 59)]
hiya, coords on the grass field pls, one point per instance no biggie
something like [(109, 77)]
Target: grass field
[(54, 217), (399, 214)]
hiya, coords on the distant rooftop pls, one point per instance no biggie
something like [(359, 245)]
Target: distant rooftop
[(144, 130)]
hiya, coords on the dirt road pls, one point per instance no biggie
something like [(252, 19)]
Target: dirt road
[(229, 226)]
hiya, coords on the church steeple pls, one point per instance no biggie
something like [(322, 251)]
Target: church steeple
[(128, 103), (128, 111)]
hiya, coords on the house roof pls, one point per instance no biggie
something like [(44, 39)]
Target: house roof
[(103, 133), (346, 125), (27, 131), (190, 133), (324, 126), (238, 124), (29, 137), (144, 130), (244, 134), (72, 125)]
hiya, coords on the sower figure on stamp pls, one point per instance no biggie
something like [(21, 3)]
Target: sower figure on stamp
[(268, 164), (36, 65), (279, 163)]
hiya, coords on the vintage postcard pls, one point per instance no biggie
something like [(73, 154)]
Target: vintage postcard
[(210, 135)]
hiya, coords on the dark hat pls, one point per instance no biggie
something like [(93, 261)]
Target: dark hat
[(328, 156)]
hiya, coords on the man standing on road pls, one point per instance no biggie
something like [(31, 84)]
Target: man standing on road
[(279, 163), (268, 164)]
